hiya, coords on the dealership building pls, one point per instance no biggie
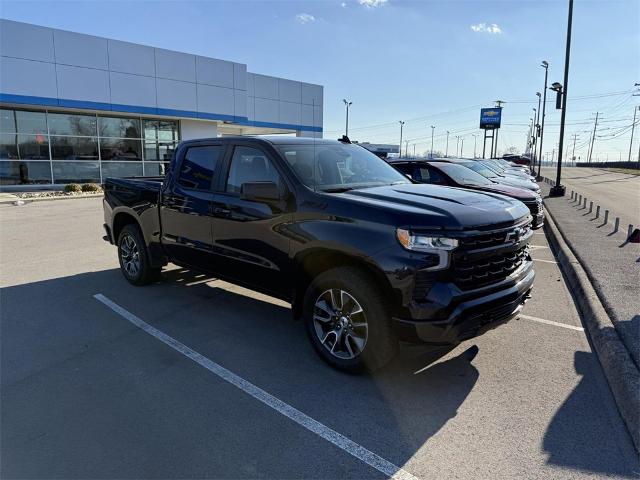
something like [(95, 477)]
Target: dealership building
[(79, 108)]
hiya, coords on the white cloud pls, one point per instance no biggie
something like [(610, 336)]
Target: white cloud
[(490, 28), (305, 18), (372, 3), (343, 4)]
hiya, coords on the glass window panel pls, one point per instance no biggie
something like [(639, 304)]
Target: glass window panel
[(74, 148), (25, 173), (76, 172), (8, 146), (120, 149), (68, 124), (119, 127), (198, 166), (155, 169), (164, 130), (32, 147), (167, 130), (158, 150), (121, 169), (250, 165), (151, 129), (7, 121), (31, 122)]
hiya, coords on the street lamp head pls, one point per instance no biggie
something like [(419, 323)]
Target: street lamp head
[(346, 102), (400, 122), (538, 94), (556, 87), (544, 64)]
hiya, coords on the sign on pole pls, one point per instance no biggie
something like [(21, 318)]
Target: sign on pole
[(490, 118)]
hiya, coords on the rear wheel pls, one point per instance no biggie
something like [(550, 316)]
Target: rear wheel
[(134, 258), (348, 321)]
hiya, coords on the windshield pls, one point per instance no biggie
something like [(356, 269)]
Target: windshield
[(482, 169), (463, 175), (339, 167)]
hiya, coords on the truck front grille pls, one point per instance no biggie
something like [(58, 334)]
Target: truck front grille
[(535, 208), (469, 274)]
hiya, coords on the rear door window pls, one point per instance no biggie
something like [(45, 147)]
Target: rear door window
[(198, 167)]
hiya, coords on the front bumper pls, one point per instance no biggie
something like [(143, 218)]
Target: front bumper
[(472, 313)]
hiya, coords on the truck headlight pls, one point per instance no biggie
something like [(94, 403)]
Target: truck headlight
[(424, 243), (439, 246)]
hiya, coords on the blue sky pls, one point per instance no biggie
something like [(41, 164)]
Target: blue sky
[(425, 62)]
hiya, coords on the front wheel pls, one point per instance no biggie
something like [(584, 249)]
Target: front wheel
[(134, 258), (348, 321)]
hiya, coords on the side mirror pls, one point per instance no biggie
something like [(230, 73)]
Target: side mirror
[(260, 191)]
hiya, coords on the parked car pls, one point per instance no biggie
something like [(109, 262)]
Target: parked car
[(365, 256), (490, 172), (442, 172), (512, 171)]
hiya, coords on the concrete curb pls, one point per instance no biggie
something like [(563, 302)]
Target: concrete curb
[(621, 372), (47, 199)]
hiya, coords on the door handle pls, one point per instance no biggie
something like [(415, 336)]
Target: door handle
[(219, 211)]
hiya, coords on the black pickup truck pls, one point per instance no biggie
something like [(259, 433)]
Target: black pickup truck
[(365, 256)]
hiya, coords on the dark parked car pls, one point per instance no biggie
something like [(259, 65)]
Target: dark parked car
[(456, 175), (365, 256)]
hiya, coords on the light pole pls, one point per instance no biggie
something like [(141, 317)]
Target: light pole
[(406, 148), (533, 134), (461, 146), (346, 128), (544, 65), (475, 140), (558, 189), (446, 150), (457, 144), (400, 149), (432, 130), (536, 135)]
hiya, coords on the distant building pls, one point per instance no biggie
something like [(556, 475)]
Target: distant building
[(79, 108), (380, 149)]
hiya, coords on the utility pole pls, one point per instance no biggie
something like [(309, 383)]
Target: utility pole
[(400, 147), (406, 148), (461, 147), (457, 144), (446, 150), (414, 150), (593, 138), (633, 126), (544, 65), (495, 133), (346, 128), (573, 154), (475, 140), (432, 130)]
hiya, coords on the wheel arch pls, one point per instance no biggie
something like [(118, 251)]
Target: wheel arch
[(310, 264)]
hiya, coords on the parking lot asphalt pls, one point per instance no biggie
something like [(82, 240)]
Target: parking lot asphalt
[(88, 394), (617, 192)]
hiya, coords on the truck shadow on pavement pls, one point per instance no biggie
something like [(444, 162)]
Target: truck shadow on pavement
[(50, 326), (569, 440)]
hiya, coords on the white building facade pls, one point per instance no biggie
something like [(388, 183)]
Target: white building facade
[(80, 108)]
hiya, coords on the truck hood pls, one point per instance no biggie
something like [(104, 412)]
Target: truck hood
[(433, 206), (517, 182)]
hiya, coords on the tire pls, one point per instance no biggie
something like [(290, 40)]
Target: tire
[(343, 332), (134, 257)]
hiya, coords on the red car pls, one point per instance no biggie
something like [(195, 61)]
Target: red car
[(441, 172)]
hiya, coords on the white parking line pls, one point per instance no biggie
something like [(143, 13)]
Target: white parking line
[(339, 440), (545, 261), (550, 322), (537, 247)]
